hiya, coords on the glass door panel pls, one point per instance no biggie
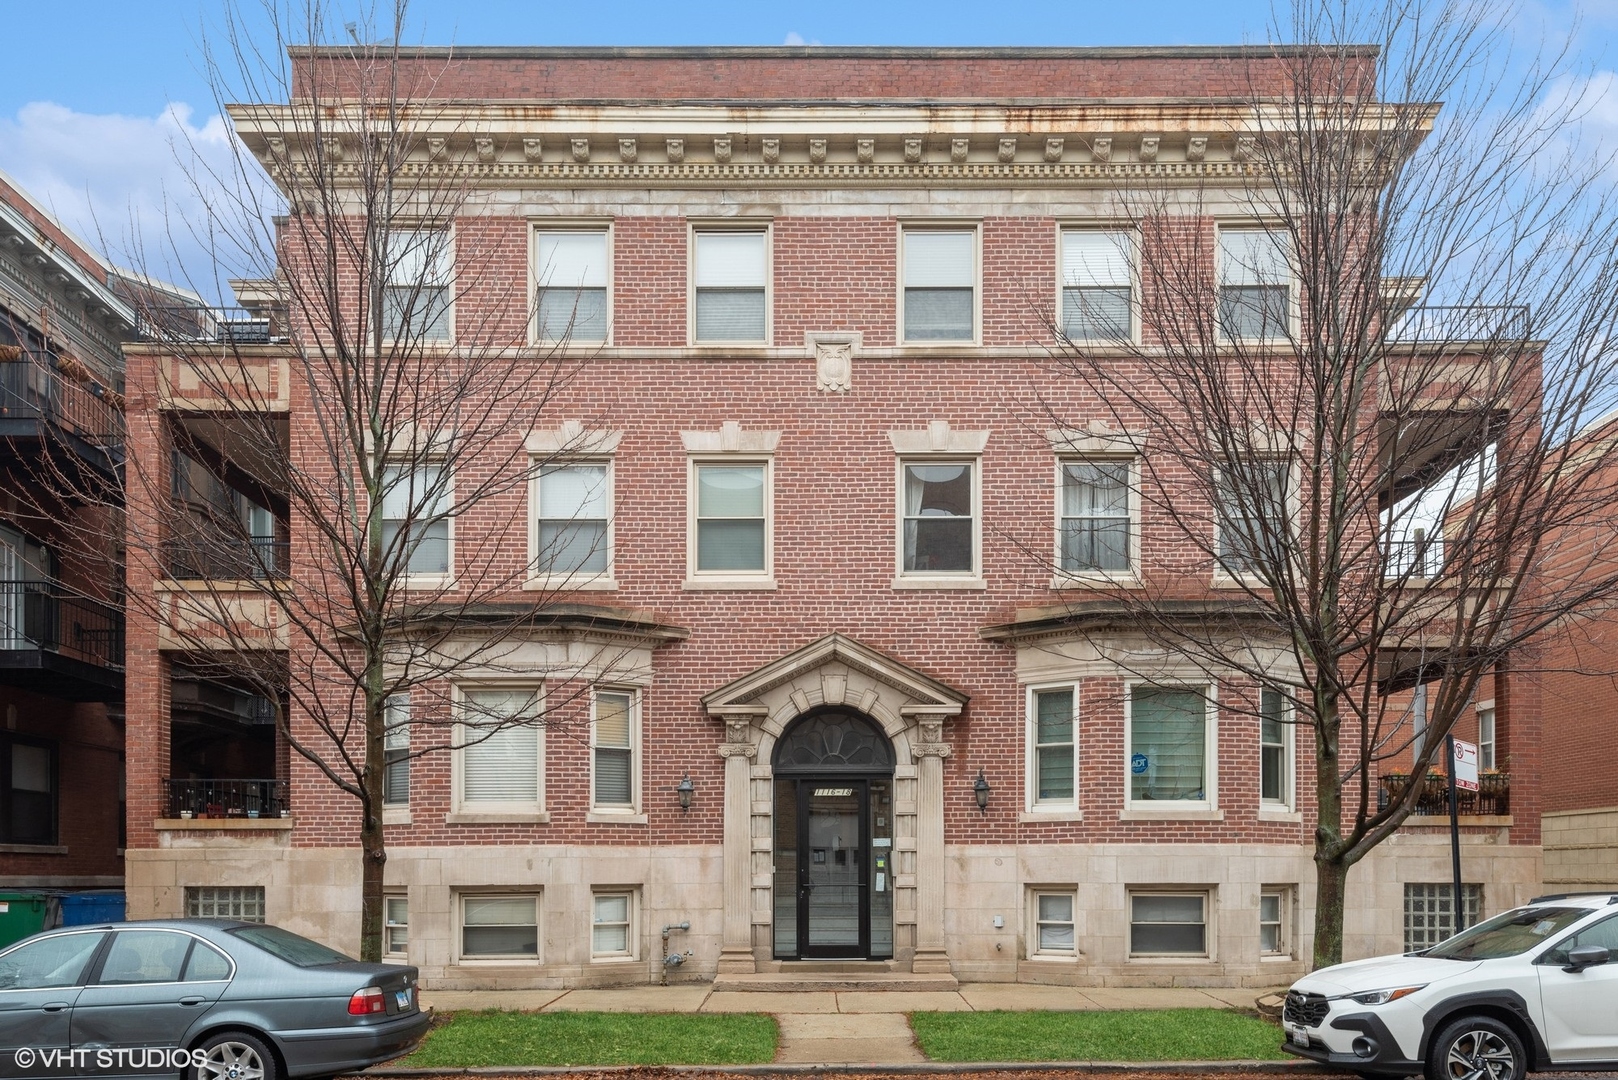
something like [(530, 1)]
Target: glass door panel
[(880, 872), (834, 876)]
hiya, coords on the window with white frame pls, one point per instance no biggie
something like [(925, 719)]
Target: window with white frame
[(940, 285), (1168, 924), (570, 285), (1274, 748), (1274, 915), (614, 737), (501, 751), (572, 531), (1430, 912), (1053, 924), (396, 750), (416, 290), (731, 526), (939, 517), (416, 502), (396, 925), (1251, 503), (730, 285), (1095, 527), (1486, 745), (1169, 737), (1051, 735), (612, 926), (499, 927), (1255, 284), (242, 902), (1097, 284)]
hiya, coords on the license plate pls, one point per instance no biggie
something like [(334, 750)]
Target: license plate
[(1297, 1035), (402, 997)]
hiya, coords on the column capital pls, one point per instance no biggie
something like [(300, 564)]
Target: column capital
[(736, 750), (931, 749)]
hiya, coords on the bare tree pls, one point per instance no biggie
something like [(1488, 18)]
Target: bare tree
[(297, 471), (1358, 361)]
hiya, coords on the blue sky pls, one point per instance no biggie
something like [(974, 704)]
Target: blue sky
[(94, 93)]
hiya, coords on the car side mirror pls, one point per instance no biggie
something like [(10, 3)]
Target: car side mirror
[(1586, 956)]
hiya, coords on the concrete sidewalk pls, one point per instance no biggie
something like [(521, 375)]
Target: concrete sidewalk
[(841, 1027)]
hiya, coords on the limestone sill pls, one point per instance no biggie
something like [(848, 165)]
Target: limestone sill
[(222, 824), (1441, 821)]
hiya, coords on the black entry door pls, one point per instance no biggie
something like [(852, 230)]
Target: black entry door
[(834, 879)]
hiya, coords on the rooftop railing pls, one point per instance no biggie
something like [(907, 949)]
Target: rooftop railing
[(218, 325), (1440, 323)]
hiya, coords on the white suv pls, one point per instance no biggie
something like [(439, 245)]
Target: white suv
[(1534, 988)]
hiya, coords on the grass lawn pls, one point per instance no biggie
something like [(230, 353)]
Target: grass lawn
[(1133, 1035), (590, 1038)]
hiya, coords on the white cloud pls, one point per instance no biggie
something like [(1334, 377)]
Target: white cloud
[(795, 38), (125, 184)]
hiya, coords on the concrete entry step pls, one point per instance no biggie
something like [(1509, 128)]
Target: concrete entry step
[(797, 982)]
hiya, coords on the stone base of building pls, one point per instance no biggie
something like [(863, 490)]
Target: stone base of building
[(1581, 849), (991, 912)]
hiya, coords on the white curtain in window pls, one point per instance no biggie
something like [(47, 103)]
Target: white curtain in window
[(502, 765), (1253, 257)]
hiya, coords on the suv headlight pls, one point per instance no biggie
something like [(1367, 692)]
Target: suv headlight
[(1382, 997)]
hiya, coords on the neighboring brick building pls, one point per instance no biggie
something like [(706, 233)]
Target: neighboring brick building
[(815, 280), (62, 319)]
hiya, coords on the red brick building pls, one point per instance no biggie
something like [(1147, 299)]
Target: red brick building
[(855, 576)]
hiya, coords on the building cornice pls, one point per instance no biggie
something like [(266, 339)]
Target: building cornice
[(836, 52)]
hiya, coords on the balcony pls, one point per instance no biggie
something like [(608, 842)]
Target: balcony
[(216, 325), (77, 421), (1416, 558), (202, 557), (60, 645), (226, 800), (1492, 799)]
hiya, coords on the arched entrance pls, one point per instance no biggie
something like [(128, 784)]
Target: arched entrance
[(834, 858)]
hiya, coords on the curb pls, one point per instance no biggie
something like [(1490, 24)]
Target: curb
[(1209, 1068)]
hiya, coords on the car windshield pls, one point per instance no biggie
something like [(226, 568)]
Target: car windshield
[(290, 947), (1509, 934)]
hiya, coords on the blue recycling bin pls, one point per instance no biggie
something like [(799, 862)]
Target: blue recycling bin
[(80, 909)]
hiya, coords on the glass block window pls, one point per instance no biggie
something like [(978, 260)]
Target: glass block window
[(1168, 924), (396, 925), (610, 925), (1097, 284), (416, 289), (570, 279), (939, 531), (1255, 279), (730, 273), (396, 751), (1095, 516), (499, 926), (615, 749), (242, 902), (1168, 744), (940, 280), (572, 528), (1053, 747), (1430, 913), (1053, 920), (731, 526)]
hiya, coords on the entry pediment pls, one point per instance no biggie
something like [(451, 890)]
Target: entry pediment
[(919, 692)]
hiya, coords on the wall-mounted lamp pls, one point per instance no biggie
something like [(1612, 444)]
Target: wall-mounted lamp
[(981, 789), (685, 789)]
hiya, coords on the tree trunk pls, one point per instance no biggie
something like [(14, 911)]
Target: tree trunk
[(1331, 886), (375, 860)]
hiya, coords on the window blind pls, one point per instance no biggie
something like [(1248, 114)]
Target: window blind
[(1093, 258), (396, 750), (571, 260), (504, 766), (418, 258), (1253, 257), (730, 517), (937, 259), (1167, 735), (1053, 739), (614, 753), (729, 260)]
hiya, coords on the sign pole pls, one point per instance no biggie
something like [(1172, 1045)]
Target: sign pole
[(1458, 902)]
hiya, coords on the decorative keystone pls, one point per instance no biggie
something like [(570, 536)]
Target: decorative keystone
[(532, 149), (1148, 147), (676, 149), (485, 149), (817, 151), (332, 148), (865, 150), (912, 150), (437, 149), (958, 149), (1101, 149), (627, 150), (1053, 149), (1245, 145), (721, 150), (772, 151), (1196, 148), (1008, 150), (581, 149)]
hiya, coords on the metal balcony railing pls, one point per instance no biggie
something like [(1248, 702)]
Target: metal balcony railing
[(35, 616), (226, 798), (32, 389), (1492, 797), (1438, 323), (1419, 557), (219, 325), (201, 557)]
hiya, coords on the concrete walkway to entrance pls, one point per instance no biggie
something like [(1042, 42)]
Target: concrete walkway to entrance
[(842, 1027)]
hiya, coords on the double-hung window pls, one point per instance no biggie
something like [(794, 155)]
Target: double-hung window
[(416, 286), (940, 285), (396, 751), (1097, 285), (1169, 740), (1052, 748), (731, 526), (416, 504), (570, 285), (499, 927), (1273, 920), (614, 750), (1053, 924), (396, 926), (730, 285), (1486, 743), (572, 538), (1252, 507), (1274, 747), (612, 925), (1168, 924), (1095, 535), (501, 751), (939, 515), (28, 781), (1255, 284)]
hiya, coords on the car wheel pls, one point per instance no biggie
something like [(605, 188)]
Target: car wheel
[(235, 1055), (1476, 1048)]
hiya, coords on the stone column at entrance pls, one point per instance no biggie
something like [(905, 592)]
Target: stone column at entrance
[(929, 751), (736, 940)]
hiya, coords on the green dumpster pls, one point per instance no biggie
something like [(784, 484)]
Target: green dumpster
[(21, 914)]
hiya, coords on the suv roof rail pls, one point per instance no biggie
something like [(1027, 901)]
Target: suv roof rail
[(1611, 898)]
